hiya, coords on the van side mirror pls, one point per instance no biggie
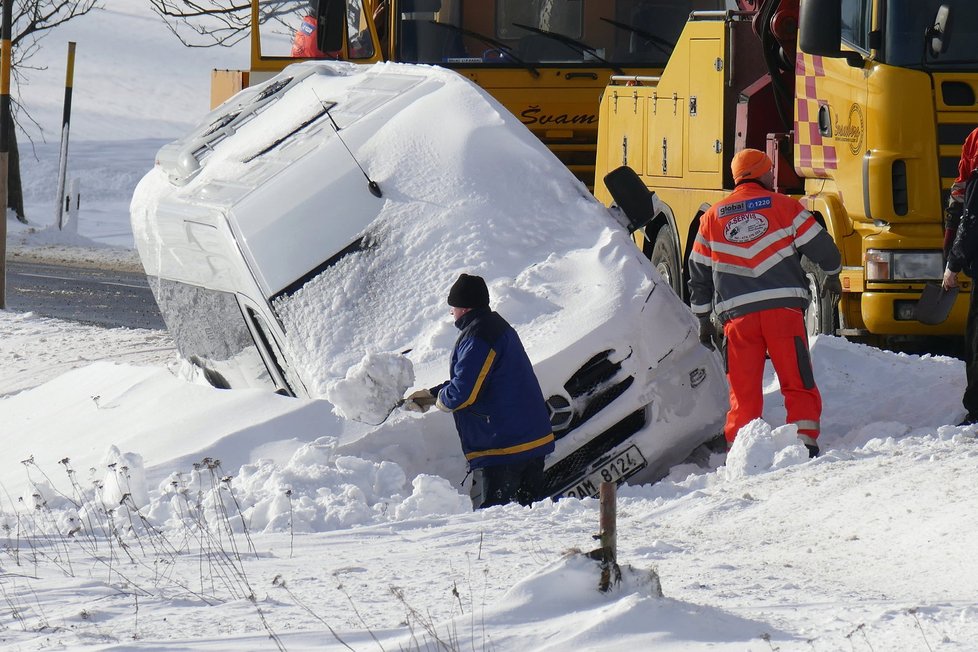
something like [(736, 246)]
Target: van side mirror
[(638, 204), (820, 31), (330, 16)]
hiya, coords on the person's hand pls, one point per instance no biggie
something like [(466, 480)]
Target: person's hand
[(708, 333), (832, 286), (950, 280), (419, 401)]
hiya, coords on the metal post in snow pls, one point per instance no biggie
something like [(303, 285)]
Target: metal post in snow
[(5, 60), (65, 122)]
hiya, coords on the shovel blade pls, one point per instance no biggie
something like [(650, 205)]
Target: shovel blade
[(935, 304)]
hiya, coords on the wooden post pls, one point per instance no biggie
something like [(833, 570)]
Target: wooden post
[(5, 60), (608, 520)]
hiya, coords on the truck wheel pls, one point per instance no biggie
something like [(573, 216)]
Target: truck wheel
[(665, 259), (820, 316)]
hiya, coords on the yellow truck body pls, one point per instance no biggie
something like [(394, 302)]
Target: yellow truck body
[(546, 61), (869, 146)]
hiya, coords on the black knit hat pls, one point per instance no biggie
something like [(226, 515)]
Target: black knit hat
[(468, 292)]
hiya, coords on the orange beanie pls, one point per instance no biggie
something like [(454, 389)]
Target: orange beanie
[(749, 164)]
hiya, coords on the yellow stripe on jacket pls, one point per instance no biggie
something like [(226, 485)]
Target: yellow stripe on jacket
[(546, 439), (478, 381)]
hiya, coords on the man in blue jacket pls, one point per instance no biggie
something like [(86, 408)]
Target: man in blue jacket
[(499, 409)]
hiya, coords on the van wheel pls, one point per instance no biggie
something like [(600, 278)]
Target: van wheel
[(665, 259), (822, 311)]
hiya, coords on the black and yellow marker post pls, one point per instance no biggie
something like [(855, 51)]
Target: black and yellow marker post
[(65, 122), (5, 117)]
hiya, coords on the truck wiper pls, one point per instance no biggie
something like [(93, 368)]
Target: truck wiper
[(662, 44), (574, 44), (499, 45)]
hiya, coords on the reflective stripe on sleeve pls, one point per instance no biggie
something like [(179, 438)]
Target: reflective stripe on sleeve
[(478, 381)]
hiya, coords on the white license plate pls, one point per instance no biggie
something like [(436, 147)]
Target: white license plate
[(614, 470)]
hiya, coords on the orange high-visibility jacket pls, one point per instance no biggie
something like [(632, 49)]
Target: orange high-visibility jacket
[(746, 256), (304, 43), (968, 163)]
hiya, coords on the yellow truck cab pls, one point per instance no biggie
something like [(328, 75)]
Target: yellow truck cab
[(546, 61), (863, 106)]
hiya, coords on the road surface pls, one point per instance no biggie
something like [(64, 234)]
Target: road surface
[(94, 296)]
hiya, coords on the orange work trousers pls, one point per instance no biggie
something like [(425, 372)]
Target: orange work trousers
[(780, 334)]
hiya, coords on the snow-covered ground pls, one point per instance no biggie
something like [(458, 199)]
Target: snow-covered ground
[(141, 511)]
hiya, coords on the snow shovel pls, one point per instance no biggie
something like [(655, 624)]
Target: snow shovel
[(935, 303), (387, 416)]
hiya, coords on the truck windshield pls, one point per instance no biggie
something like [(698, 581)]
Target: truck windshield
[(907, 23), (454, 33), (540, 32)]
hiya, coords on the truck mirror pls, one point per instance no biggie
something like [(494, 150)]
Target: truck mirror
[(638, 203), (939, 36), (820, 27), (820, 31), (330, 16)]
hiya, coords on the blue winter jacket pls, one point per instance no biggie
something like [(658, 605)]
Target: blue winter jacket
[(493, 394)]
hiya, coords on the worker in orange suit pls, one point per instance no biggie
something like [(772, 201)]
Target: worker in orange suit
[(304, 43), (745, 267)]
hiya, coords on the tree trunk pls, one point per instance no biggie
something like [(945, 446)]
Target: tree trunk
[(15, 191)]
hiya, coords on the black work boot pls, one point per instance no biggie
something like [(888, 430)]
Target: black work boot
[(811, 444)]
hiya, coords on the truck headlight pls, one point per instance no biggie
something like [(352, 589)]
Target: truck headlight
[(883, 265)]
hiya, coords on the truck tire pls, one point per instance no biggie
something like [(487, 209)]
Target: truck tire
[(822, 311), (665, 259)]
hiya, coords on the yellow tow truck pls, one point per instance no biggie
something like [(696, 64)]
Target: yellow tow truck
[(863, 106)]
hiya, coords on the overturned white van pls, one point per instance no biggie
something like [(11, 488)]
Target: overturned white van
[(325, 214)]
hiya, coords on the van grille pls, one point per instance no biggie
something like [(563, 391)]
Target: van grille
[(572, 467)]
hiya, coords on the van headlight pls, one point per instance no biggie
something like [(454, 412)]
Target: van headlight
[(883, 265)]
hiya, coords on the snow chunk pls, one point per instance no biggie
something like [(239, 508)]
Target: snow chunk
[(758, 449), (432, 495), (124, 474), (371, 388)]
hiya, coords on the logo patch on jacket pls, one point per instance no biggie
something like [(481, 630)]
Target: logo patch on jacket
[(745, 228), (731, 209), (307, 28)]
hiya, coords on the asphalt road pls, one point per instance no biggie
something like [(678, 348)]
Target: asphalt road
[(93, 296)]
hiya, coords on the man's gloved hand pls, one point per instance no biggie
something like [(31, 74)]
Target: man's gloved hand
[(419, 401), (832, 286), (708, 333)]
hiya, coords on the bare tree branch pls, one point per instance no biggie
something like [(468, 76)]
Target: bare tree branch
[(33, 16), (207, 23)]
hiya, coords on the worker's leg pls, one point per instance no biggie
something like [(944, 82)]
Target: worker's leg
[(970, 399), (498, 485), (531, 482), (745, 355), (787, 344)]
